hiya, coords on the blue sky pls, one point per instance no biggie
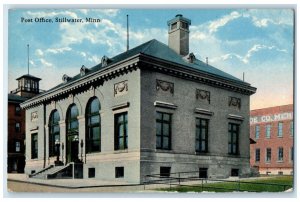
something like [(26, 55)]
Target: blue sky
[(258, 42)]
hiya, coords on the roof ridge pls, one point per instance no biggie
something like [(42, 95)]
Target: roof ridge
[(147, 46)]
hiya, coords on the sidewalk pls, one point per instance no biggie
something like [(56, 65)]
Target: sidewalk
[(67, 183)]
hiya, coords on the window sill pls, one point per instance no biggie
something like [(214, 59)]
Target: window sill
[(279, 161), (164, 150), (121, 151)]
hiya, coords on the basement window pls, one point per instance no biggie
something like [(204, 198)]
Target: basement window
[(234, 172), (91, 172), (119, 171), (202, 172), (165, 171)]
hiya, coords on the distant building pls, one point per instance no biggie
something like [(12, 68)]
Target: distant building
[(154, 109), (273, 130), (28, 86)]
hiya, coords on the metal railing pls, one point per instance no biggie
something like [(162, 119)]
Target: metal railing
[(192, 179)]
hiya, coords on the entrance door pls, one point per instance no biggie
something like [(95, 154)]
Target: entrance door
[(72, 148)]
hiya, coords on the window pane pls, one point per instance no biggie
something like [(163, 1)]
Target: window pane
[(121, 130), (74, 112), (166, 131), (198, 133), (197, 145), (95, 106), (121, 143), (158, 115), (120, 119), (96, 133), (74, 124), (55, 129), (158, 141), (165, 142), (56, 117), (166, 117), (203, 145), (95, 119)]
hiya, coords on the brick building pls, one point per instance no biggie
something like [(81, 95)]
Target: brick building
[(28, 86), (273, 130)]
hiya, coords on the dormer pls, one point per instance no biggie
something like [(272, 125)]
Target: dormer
[(83, 70), (65, 78), (105, 61)]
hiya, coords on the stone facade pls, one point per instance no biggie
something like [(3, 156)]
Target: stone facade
[(144, 86)]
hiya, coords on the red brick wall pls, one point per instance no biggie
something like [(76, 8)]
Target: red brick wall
[(12, 134), (274, 142)]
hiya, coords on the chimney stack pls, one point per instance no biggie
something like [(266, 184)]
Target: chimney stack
[(179, 34)]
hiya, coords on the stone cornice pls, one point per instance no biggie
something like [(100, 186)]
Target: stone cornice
[(133, 63), (181, 71), (102, 75)]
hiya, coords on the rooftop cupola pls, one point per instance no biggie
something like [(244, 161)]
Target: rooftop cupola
[(179, 34)]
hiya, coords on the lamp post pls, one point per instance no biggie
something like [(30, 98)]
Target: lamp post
[(81, 146), (57, 144)]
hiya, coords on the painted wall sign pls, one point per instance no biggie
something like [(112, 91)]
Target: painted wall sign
[(271, 118)]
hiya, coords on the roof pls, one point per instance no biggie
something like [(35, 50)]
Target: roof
[(16, 98), (29, 77), (159, 50)]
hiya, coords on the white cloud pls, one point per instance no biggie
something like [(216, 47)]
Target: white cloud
[(94, 59), (108, 12), (264, 17), (45, 63), (31, 62), (215, 25), (58, 50), (39, 52), (246, 58), (83, 54), (52, 14)]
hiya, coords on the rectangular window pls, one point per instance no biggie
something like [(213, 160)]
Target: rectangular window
[(280, 125), (119, 171), (268, 131), (34, 146), (257, 155), (165, 171), (233, 138), (121, 131), (235, 172), (292, 128), (203, 172), (257, 131), (292, 154), (163, 130), (201, 135), (268, 155), (18, 146), (91, 173), (18, 127), (280, 154), (17, 110)]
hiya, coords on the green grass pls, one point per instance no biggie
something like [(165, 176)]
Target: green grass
[(267, 186)]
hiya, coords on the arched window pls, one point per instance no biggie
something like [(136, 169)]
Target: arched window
[(72, 134), (54, 132), (93, 126), (72, 121)]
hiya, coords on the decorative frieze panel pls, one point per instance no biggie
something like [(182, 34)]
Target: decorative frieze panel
[(34, 116), (203, 95), (234, 102), (165, 86), (121, 88)]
